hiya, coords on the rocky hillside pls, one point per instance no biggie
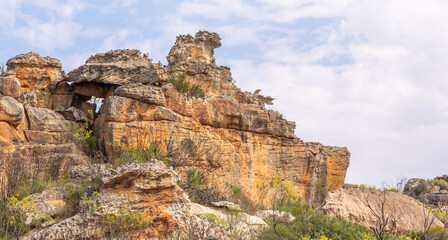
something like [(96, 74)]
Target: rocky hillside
[(432, 192), (126, 101)]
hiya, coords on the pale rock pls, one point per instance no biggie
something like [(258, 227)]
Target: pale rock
[(48, 203), (279, 215), (352, 204), (226, 204)]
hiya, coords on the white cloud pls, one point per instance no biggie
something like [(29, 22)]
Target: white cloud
[(389, 105), (48, 36)]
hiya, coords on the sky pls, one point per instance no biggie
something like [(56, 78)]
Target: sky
[(368, 75)]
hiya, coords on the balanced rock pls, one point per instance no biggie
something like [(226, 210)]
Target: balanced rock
[(119, 67), (35, 72)]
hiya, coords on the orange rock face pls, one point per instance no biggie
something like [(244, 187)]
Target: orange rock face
[(35, 72)]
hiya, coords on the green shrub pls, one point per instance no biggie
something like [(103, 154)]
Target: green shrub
[(83, 134), (184, 87), (391, 190), (440, 183), (78, 196), (36, 185), (13, 213), (140, 154), (124, 224), (438, 233), (311, 223)]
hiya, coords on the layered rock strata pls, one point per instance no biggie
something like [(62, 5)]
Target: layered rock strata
[(232, 131), (149, 189), (34, 140)]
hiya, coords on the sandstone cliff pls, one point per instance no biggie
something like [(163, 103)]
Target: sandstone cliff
[(242, 140)]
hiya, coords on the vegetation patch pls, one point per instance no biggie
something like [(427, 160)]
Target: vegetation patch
[(179, 82)]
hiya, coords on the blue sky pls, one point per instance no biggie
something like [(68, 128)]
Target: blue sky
[(368, 75)]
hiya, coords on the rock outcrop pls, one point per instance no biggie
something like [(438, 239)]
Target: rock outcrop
[(149, 189), (35, 72), (119, 67), (428, 192), (235, 134), (404, 211), (250, 143)]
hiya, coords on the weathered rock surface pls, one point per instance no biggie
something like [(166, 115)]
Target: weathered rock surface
[(279, 216), (150, 188), (35, 72), (119, 67), (194, 56), (143, 93), (9, 86), (11, 111), (28, 98), (427, 192), (43, 119), (352, 204), (246, 142), (48, 203), (226, 204)]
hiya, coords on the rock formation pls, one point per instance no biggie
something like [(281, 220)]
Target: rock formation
[(149, 188), (353, 204), (121, 100), (243, 142), (428, 191)]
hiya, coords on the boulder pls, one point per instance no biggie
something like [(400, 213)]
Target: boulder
[(44, 119), (143, 93), (119, 67), (198, 48), (279, 216), (9, 86), (11, 111), (35, 72), (226, 204), (72, 114), (353, 204)]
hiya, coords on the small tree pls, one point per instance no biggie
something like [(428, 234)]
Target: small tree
[(386, 214)]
